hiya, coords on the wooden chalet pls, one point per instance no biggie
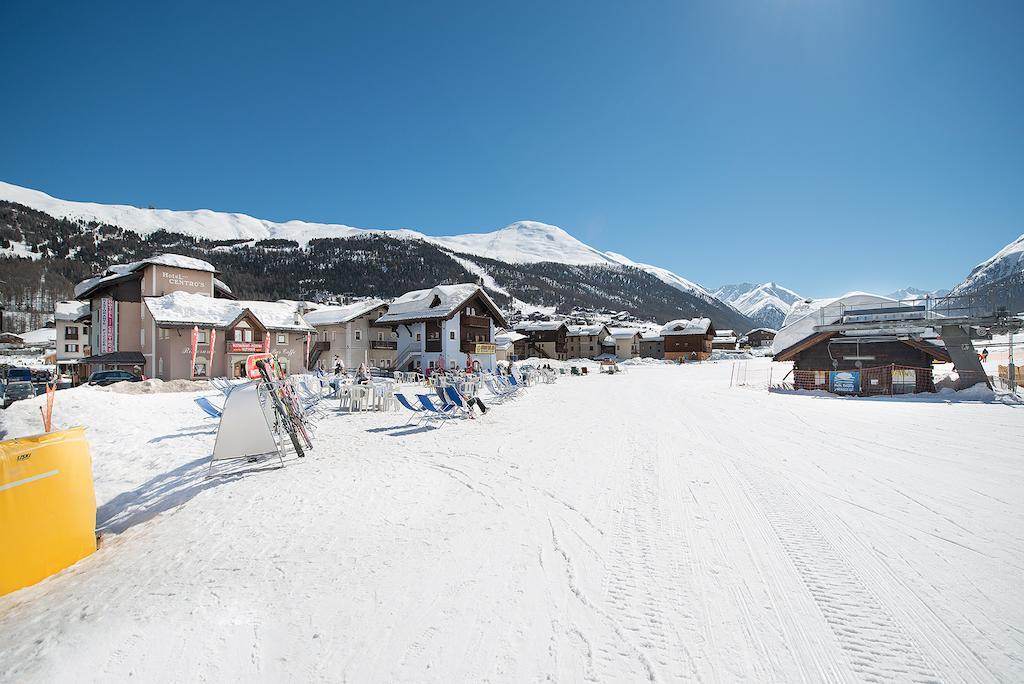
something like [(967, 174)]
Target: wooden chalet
[(688, 339)]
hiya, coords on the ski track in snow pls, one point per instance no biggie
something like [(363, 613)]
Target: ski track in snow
[(652, 526)]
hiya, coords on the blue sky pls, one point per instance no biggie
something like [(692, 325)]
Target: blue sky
[(826, 145)]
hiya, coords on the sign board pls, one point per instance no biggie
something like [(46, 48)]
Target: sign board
[(485, 348), (245, 347), (845, 382), (904, 380), (108, 325), (253, 371)]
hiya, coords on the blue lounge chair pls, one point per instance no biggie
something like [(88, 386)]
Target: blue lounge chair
[(455, 399), (405, 402), (208, 407), (444, 413)]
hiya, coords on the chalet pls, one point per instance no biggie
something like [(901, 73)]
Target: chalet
[(626, 342), (228, 332), (758, 337), (543, 339), (724, 339), (865, 362), (350, 335), (584, 341), (71, 323), (11, 340), (652, 346), (688, 339), (504, 344), (450, 325)]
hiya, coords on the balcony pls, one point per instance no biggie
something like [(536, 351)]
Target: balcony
[(383, 344), (468, 321)]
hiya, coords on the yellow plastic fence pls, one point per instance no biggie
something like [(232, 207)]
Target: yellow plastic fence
[(47, 506)]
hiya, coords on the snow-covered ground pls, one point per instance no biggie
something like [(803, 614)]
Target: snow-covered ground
[(651, 525)]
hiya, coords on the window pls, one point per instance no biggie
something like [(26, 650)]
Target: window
[(418, 337), (359, 335), (333, 335), (238, 335), (202, 337), (70, 347), (247, 334), (282, 338), (160, 366), (71, 332), (380, 337), (200, 368), (451, 334), (284, 365)]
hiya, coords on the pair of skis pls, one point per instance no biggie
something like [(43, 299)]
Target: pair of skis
[(286, 406)]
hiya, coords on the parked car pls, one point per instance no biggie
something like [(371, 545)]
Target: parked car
[(104, 378), (19, 386)]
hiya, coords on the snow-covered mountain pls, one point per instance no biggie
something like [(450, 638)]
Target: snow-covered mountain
[(522, 242), (908, 293), (766, 304), (527, 266), (1007, 263)]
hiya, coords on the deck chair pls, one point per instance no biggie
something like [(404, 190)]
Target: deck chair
[(443, 413), (208, 408), (455, 399), (404, 401)]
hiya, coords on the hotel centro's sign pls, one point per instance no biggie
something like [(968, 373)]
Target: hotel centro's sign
[(180, 280), (484, 348), (244, 347)]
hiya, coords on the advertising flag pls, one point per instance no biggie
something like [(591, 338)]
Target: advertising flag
[(213, 343), (195, 347)]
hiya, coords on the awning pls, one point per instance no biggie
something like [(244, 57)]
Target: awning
[(116, 359)]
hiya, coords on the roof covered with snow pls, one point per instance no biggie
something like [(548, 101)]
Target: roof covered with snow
[(70, 310), (115, 271), (820, 312), (40, 337), (586, 330), (538, 326), (624, 333), (687, 326), (440, 301), (336, 315), (186, 308)]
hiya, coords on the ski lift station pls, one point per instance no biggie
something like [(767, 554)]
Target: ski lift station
[(865, 344)]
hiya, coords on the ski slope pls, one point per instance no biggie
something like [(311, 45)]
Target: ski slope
[(605, 528)]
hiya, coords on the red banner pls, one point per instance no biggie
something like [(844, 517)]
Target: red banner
[(266, 342), (195, 348), (213, 341)]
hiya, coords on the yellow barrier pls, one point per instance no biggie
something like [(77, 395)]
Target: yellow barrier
[(47, 506)]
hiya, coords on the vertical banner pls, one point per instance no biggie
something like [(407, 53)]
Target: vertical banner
[(266, 342), (108, 334), (213, 343), (195, 348), (308, 344)]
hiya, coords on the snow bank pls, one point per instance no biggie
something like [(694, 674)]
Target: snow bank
[(158, 386)]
